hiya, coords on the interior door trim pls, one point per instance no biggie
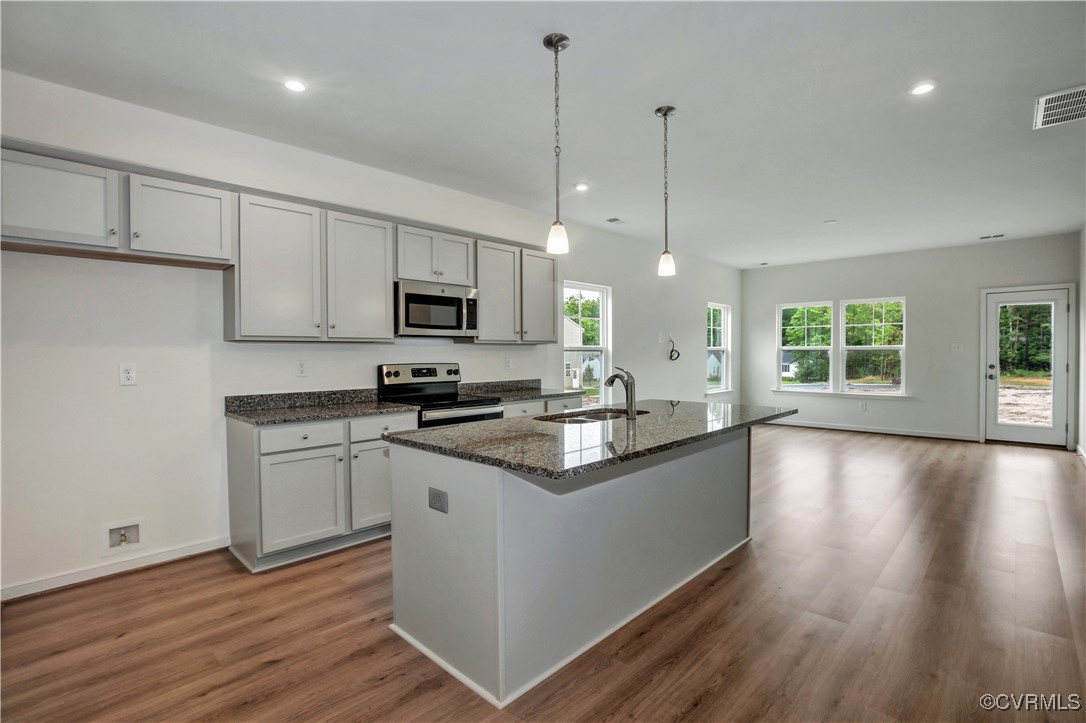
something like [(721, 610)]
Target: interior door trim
[(1072, 355)]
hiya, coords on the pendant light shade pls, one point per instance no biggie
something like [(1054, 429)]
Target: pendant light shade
[(557, 240), (667, 265), (667, 261)]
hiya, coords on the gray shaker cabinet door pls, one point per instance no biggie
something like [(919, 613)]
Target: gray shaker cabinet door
[(280, 268), (498, 275), (539, 289), (359, 277), (179, 218), (53, 200), (371, 484), (302, 497)]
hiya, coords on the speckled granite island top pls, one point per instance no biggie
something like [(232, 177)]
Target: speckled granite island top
[(560, 451)]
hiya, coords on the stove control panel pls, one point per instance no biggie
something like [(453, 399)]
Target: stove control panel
[(389, 374)]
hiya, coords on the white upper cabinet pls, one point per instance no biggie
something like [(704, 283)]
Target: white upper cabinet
[(52, 200), (498, 277), (180, 218), (279, 266), (518, 294), (359, 277), (539, 293), (425, 255)]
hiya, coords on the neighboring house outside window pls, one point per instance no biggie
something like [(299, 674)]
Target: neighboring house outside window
[(805, 334), (585, 332), (717, 319)]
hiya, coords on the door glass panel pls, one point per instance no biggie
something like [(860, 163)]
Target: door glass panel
[(1025, 364)]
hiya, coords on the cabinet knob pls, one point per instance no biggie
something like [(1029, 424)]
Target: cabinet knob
[(318, 325), (331, 326), (435, 273), (113, 232), (440, 273), (339, 459), (356, 455), (136, 234), (386, 427), (305, 436)]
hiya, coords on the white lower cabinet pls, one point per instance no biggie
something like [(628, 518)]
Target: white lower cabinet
[(555, 406), (300, 490), (525, 409), (301, 497), (371, 484)]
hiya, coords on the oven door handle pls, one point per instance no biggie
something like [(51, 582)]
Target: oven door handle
[(465, 412)]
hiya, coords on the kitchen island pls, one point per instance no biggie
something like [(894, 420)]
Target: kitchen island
[(520, 543)]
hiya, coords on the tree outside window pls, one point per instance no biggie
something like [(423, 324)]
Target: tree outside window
[(716, 342), (806, 335)]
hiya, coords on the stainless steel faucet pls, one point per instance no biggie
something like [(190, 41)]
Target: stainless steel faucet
[(630, 385)]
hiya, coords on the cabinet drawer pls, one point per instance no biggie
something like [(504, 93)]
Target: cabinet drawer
[(302, 436), (374, 427), (563, 405), (525, 409)]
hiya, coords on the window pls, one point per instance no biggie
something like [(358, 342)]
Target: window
[(586, 331), (716, 342), (874, 343), (805, 334), (864, 354)]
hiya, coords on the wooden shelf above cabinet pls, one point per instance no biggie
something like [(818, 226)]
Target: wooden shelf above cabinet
[(29, 247)]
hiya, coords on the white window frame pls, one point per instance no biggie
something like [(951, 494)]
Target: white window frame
[(781, 348), (840, 338), (725, 349), (605, 330)]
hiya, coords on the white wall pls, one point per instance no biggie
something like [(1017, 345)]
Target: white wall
[(1082, 343), (80, 452), (942, 292)]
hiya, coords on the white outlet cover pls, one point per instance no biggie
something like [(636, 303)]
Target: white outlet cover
[(301, 368), (126, 374), (957, 347)]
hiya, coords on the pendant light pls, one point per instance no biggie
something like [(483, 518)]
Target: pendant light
[(557, 241), (667, 261)]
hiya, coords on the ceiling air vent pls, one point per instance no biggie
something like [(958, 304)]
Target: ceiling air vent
[(1060, 107), (616, 219)]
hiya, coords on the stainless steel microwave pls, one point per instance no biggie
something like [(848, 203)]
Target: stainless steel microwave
[(426, 309)]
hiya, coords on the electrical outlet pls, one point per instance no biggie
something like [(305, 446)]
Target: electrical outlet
[(439, 500), (127, 374), (957, 347), (508, 363), (302, 369), (863, 406)]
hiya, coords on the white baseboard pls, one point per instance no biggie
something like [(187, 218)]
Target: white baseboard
[(1081, 453), (510, 697), (878, 430), (89, 573)]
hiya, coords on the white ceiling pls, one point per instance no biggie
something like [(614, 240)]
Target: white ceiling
[(789, 114)]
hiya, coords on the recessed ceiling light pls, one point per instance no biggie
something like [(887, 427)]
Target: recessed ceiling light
[(831, 222), (296, 85), (923, 88), (581, 186)]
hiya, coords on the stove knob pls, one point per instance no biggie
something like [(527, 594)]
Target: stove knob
[(388, 374), (395, 374)]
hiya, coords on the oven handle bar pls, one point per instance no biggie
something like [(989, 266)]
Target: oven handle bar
[(465, 412)]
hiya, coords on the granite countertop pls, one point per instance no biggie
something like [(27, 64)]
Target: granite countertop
[(560, 451), (288, 407), (317, 413)]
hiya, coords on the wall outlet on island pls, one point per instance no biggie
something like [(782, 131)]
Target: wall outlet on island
[(508, 363), (301, 369), (439, 500)]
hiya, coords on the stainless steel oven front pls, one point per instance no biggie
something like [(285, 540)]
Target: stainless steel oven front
[(425, 309)]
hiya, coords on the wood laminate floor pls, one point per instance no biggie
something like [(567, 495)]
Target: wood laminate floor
[(889, 578)]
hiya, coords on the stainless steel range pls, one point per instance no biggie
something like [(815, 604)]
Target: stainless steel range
[(433, 387)]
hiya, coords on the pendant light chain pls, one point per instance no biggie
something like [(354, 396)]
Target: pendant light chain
[(557, 144), (665, 182)]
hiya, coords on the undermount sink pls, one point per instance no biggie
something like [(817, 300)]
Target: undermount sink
[(600, 416), (603, 415)]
